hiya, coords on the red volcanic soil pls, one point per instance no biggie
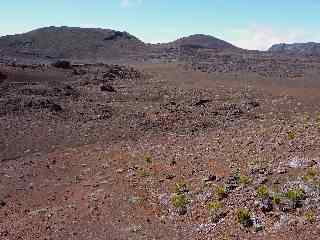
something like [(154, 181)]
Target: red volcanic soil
[(157, 151)]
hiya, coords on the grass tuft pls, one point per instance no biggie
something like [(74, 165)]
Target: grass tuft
[(221, 192), (244, 217), (263, 192), (295, 195), (179, 200)]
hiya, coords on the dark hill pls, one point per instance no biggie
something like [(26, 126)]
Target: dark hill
[(310, 48), (72, 43), (203, 41)]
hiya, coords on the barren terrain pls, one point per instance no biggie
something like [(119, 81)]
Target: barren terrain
[(183, 144)]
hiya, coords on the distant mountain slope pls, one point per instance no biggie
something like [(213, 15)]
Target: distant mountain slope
[(71, 42), (310, 48), (100, 44), (202, 41)]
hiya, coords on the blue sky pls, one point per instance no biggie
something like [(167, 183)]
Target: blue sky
[(252, 24)]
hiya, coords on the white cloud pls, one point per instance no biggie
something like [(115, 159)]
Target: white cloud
[(261, 37), (129, 3)]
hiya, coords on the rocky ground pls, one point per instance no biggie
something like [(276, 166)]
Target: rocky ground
[(157, 151)]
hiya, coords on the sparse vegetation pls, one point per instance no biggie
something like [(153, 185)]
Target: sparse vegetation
[(221, 192), (143, 173), (244, 180), (179, 200), (318, 120), (214, 207), (295, 195), (244, 217), (147, 158), (216, 211), (310, 175), (263, 192), (291, 135), (310, 217), (276, 198), (168, 143), (181, 187)]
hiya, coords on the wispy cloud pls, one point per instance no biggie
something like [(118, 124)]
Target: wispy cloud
[(262, 37), (129, 3)]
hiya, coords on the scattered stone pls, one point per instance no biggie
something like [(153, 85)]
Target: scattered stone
[(62, 64), (170, 176), (283, 222), (206, 228), (182, 210), (297, 162), (286, 205), (266, 205), (210, 178), (202, 102), (135, 228), (107, 88), (2, 203), (79, 72), (134, 200), (257, 224), (217, 216), (120, 170), (232, 183), (2, 77), (253, 104), (164, 199), (282, 171)]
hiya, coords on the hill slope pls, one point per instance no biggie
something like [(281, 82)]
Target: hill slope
[(99, 44), (71, 42), (202, 41), (310, 48)]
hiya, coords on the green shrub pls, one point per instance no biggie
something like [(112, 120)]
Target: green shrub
[(291, 135), (263, 192), (214, 206), (276, 199), (143, 173), (179, 200), (310, 217), (244, 217), (310, 175), (295, 195), (318, 120), (181, 187), (244, 180), (221, 192), (216, 211), (147, 158)]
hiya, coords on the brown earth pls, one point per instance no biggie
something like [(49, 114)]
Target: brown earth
[(115, 152)]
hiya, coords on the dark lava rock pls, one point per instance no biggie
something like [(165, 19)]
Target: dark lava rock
[(266, 205), (202, 102), (210, 178), (42, 103), (253, 104), (118, 35), (182, 211), (287, 205), (215, 218), (62, 64), (79, 72), (2, 203), (3, 76), (232, 182), (107, 88), (55, 108)]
